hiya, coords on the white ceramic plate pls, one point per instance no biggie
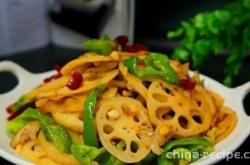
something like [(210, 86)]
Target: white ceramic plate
[(26, 81)]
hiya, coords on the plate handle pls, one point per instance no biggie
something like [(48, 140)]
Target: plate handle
[(18, 71), (242, 91)]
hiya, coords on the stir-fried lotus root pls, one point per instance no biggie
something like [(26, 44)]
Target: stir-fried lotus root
[(188, 113), (224, 124), (124, 120), (128, 110)]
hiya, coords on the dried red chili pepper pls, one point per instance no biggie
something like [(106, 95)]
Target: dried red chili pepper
[(187, 84), (122, 39), (134, 48), (56, 76), (9, 109), (75, 81), (57, 67), (53, 77), (21, 110)]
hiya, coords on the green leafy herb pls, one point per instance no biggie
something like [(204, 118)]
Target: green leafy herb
[(211, 33)]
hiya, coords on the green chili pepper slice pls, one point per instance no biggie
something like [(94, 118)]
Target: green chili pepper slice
[(88, 155), (89, 134), (156, 65), (184, 151), (20, 102), (53, 132), (102, 46)]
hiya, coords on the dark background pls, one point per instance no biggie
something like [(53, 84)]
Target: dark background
[(151, 24), (153, 20)]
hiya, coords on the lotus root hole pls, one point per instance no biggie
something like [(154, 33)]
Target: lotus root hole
[(165, 113), (198, 103), (134, 147), (119, 144), (183, 122), (197, 119), (136, 118)]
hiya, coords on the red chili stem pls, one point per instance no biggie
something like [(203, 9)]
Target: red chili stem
[(53, 77)]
